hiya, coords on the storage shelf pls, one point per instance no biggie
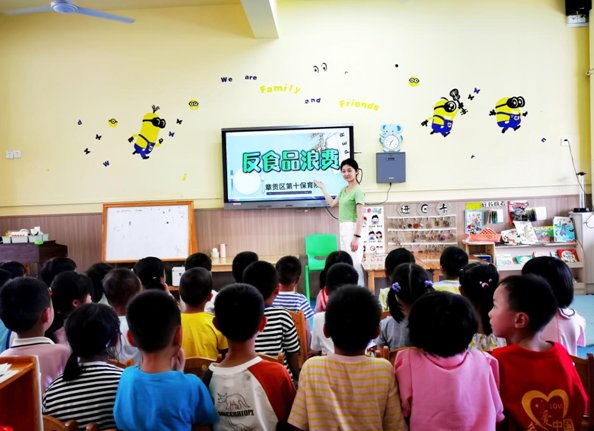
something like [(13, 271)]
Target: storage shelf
[(425, 243), (518, 266), (420, 216)]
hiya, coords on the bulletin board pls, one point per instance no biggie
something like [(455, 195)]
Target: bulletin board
[(133, 230)]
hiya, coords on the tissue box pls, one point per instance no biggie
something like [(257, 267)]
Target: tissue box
[(6, 240), (35, 238), (176, 273), (18, 239)]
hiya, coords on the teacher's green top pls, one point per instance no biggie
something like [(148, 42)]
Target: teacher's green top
[(347, 203)]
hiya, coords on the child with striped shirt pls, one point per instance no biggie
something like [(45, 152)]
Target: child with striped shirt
[(279, 334), (348, 390), (289, 274), (86, 391)]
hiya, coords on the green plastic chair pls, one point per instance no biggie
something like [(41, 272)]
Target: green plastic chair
[(317, 248)]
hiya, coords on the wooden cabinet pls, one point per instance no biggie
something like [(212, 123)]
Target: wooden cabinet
[(20, 397)]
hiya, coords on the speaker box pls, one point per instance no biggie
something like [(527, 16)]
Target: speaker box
[(577, 7), (390, 167)]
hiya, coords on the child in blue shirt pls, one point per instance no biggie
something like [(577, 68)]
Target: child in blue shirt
[(158, 395)]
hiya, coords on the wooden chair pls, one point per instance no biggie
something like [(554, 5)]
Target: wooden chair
[(585, 369), (301, 326), (52, 424), (197, 365), (280, 358)]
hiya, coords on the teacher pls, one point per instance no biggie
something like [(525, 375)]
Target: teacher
[(350, 201)]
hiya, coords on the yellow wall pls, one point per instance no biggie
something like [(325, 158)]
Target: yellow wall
[(55, 70)]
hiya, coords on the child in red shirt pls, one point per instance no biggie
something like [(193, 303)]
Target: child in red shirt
[(540, 387)]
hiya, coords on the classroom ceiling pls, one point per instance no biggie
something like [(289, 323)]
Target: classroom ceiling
[(108, 5)]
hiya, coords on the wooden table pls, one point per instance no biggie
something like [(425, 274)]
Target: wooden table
[(31, 255), (373, 267), (224, 264)]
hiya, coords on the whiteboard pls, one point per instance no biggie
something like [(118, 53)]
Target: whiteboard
[(132, 231)]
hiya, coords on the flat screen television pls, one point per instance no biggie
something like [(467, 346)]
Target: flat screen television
[(275, 167)]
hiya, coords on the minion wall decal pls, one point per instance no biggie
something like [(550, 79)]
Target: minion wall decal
[(444, 112), (148, 137), (508, 112)]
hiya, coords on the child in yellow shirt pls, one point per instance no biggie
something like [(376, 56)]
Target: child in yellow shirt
[(200, 337)]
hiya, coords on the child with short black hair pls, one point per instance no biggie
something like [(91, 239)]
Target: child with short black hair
[(16, 269), (5, 276), (200, 336), (451, 261), (26, 308), (151, 272), (120, 286), (371, 401), (279, 334), (96, 273), (86, 391), (531, 368), (443, 385), (69, 291), (566, 327), (339, 274), (240, 262), (409, 282), (393, 259), (198, 260), (289, 274), (478, 282), (158, 395), (243, 382), (339, 256), (55, 266)]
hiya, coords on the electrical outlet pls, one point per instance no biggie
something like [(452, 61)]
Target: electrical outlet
[(565, 142), (17, 154), (10, 155)]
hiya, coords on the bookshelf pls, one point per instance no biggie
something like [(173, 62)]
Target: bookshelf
[(20, 397)]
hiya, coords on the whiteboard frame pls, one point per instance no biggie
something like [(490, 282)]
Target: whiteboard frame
[(192, 240)]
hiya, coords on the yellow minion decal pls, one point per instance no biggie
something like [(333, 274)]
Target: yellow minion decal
[(508, 112), (146, 139), (112, 122), (444, 112)]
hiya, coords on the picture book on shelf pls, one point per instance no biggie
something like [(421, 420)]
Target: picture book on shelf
[(474, 221), (518, 211), (523, 259), (544, 234), (526, 232), (563, 229), (505, 260), (568, 255), (510, 237)]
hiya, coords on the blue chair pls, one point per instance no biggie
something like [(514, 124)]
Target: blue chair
[(317, 248)]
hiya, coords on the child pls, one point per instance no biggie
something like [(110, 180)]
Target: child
[(279, 334), (96, 273), (348, 390), (5, 277), (339, 274), (55, 266), (409, 283), (442, 384), (120, 286), (393, 259), (339, 256), (26, 308), (540, 387), (477, 284), (69, 291), (86, 391), (289, 273), (262, 391), (452, 260), (16, 269), (566, 327), (151, 272), (198, 260), (200, 337), (201, 260), (158, 395), (241, 262)]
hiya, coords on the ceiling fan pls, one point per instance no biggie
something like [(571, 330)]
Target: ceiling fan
[(67, 7)]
